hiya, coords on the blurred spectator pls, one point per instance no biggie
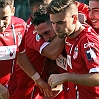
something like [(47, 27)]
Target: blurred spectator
[(22, 9)]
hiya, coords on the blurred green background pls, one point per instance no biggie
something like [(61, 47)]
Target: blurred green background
[(22, 9)]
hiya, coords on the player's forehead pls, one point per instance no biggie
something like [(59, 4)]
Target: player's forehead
[(61, 16), (93, 4), (43, 27), (6, 11)]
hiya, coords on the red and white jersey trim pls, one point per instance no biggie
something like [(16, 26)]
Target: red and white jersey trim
[(23, 51), (43, 45), (94, 70)]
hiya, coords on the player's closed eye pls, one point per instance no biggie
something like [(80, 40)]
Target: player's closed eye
[(4, 18), (47, 32)]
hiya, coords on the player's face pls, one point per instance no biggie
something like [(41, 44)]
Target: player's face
[(94, 13), (5, 17), (45, 31), (62, 23)]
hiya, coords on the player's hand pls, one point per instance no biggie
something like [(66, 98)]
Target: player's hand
[(4, 94), (55, 91), (44, 87), (55, 79)]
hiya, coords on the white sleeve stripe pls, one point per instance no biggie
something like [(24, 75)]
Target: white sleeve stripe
[(43, 45), (23, 51), (94, 70)]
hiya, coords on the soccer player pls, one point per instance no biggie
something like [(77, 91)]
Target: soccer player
[(12, 31), (25, 88), (81, 47), (61, 61), (42, 24)]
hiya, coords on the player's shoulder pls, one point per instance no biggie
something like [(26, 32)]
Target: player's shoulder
[(89, 30), (88, 33), (18, 21)]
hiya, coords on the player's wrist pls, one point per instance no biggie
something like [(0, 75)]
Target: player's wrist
[(35, 77)]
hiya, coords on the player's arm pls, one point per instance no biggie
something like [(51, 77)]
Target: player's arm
[(90, 54), (54, 48), (4, 93), (91, 79), (25, 64)]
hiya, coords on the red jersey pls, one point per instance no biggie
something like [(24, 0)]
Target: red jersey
[(11, 42), (25, 85), (97, 30), (83, 8), (82, 58)]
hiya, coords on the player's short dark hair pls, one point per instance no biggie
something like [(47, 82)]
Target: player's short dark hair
[(4, 3), (57, 6), (40, 16)]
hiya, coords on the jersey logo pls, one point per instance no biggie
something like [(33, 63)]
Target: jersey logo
[(75, 52), (91, 55), (69, 61), (61, 62), (86, 45), (38, 37), (34, 31), (8, 52)]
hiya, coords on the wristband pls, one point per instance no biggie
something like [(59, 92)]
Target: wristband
[(36, 76)]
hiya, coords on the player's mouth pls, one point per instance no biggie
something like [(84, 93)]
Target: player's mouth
[(94, 21), (2, 28)]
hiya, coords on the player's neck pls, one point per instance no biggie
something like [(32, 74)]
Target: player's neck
[(77, 31)]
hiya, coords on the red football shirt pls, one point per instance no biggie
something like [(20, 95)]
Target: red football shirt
[(38, 44), (82, 58), (11, 42), (24, 84)]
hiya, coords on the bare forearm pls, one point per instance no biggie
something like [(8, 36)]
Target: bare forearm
[(54, 49), (91, 79), (25, 64)]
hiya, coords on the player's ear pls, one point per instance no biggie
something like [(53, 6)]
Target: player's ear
[(82, 18), (13, 11), (75, 19)]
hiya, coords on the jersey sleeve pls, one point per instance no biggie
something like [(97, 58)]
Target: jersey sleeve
[(90, 52)]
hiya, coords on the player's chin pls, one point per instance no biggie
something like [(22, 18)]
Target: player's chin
[(96, 26), (61, 35), (2, 29)]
